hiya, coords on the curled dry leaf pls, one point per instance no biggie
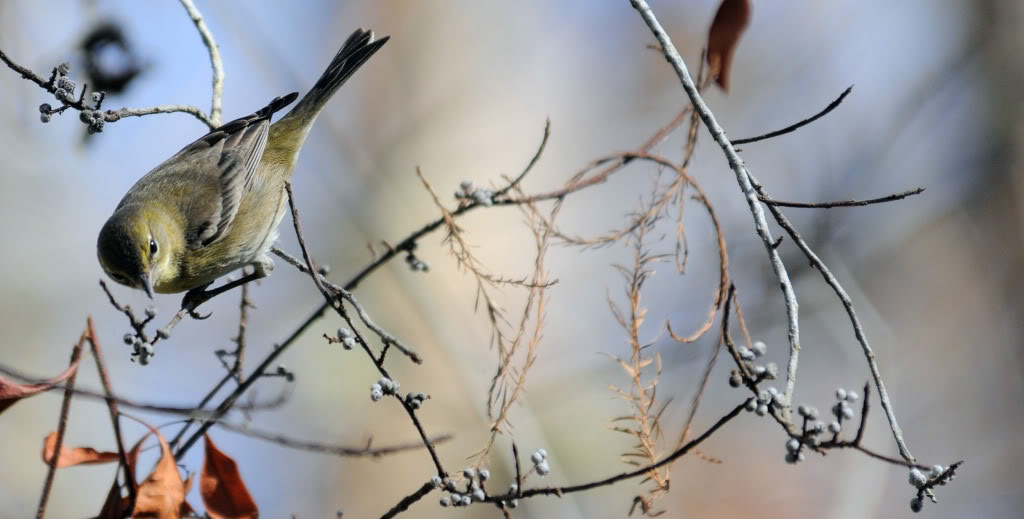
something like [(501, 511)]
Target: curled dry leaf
[(224, 494), (70, 457), (730, 21), (11, 392), (162, 494)]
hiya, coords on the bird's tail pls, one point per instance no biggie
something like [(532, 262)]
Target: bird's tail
[(291, 130)]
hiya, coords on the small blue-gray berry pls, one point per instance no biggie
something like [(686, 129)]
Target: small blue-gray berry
[(759, 348), (45, 108), (840, 394), (835, 428), (478, 494), (543, 468), (128, 339), (917, 478), (751, 405), (445, 501), (469, 473), (762, 410), (852, 396), (163, 333), (936, 471), (436, 481), (485, 474), (792, 445), (45, 118), (916, 504), (735, 380)]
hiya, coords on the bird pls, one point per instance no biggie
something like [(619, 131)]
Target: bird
[(214, 207)]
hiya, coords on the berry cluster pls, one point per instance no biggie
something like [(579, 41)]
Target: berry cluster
[(480, 195)]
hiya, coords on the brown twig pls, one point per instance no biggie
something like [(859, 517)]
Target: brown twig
[(243, 322), (62, 425), (97, 354), (841, 203)]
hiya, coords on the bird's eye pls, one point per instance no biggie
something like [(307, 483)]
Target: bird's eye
[(153, 247), (119, 278)]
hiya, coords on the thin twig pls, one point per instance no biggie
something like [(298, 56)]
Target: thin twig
[(408, 500), (797, 126), (841, 203), (338, 450), (333, 293), (62, 425), (243, 322), (97, 354), (215, 61), (678, 453)]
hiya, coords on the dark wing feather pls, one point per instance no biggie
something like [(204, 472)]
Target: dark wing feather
[(231, 154)]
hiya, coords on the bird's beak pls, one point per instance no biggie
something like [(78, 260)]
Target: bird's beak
[(147, 284)]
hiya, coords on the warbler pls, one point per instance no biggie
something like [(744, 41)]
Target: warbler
[(215, 206)]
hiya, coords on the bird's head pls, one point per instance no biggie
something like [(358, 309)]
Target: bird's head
[(135, 248)]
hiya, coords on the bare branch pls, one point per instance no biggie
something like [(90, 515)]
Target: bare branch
[(841, 203), (797, 126), (215, 61), (62, 425)]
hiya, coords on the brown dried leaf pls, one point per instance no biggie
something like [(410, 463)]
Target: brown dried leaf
[(70, 457), (730, 21), (11, 392), (224, 494), (162, 494)]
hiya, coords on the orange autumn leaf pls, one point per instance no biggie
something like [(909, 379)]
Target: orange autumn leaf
[(11, 392), (224, 494), (162, 494), (70, 457), (730, 21)]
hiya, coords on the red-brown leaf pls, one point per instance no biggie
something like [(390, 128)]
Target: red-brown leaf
[(224, 494), (70, 457), (162, 494), (11, 392), (730, 21)]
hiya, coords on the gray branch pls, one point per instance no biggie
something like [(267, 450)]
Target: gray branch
[(215, 61)]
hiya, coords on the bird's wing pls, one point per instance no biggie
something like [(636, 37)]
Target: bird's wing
[(220, 164)]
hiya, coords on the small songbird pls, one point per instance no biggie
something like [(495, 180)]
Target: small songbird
[(214, 207)]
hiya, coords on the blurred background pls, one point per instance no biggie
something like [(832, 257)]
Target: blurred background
[(463, 90)]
